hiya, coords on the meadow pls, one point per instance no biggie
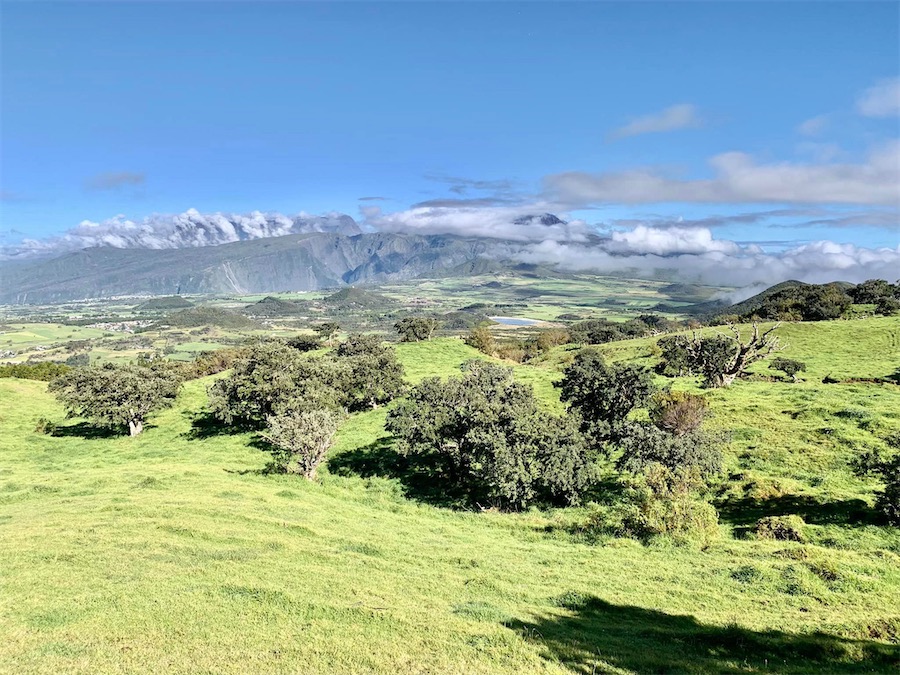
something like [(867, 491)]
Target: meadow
[(175, 552)]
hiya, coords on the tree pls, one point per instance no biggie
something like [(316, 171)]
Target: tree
[(604, 394), (722, 358), (482, 339), (372, 374), (886, 466), (304, 343), (117, 396), (643, 445), (676, 356), (273, 379), (415, 329), (327, 331), (789, 367), (489, 442), (870, 291), (301, 439)]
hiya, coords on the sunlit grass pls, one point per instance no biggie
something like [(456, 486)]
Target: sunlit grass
[(173, 553)]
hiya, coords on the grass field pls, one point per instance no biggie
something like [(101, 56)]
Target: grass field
[(173, 552)]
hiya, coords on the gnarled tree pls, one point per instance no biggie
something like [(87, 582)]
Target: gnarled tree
[(722, 358)]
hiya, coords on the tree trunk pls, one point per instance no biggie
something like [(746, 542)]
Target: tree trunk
[(135, 427)]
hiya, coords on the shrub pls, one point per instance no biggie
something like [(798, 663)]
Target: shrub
[(301, 439), (481, 339), (602, 394), (43, 370), (643, 446), (677, 412), (488, 441), (666, 502), (781, 528), (44, 426), (789, 367)]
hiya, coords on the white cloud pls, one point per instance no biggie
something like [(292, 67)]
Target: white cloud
[(188, 229), (499, 222), (880, 100), (668, 241), (816, 262), (813, 126), (738, 179), (680, 116)]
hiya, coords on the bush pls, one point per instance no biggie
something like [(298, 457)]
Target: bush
[(45, 426), (481, 339), (488, 441), (789, 367), (43, 370), (644, 446), (677, 412), (666, 502), (301, 439), (781, 528), (602, 394)]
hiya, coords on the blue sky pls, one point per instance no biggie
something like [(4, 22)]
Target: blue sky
[(622, 115)]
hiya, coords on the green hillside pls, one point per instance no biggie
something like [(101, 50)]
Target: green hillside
[(173, 552)]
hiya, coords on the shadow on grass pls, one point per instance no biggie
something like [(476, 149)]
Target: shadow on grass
[(894, 377), (602, 636), (206, 425), (421, 480), (745, 512), (88, 431)]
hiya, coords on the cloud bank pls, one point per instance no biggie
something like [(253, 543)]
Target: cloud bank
[(188, 229), (740, 180)]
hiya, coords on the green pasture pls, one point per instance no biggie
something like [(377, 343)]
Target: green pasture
[(174, 552)]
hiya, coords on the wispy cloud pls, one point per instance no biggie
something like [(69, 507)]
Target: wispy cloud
[(880, 100), (813, 126), (114, 180), (373, 199), (12, 197), (739, 179), (680, 116), (462, 186)]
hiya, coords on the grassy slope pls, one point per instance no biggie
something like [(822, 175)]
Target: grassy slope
[(170, 552)]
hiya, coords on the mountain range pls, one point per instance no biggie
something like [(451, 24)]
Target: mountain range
[(286, 263)]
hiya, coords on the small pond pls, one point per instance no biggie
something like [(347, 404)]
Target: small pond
[(513, 321)]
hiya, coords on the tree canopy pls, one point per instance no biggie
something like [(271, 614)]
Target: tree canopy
[(490, 442), (117, 396)]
